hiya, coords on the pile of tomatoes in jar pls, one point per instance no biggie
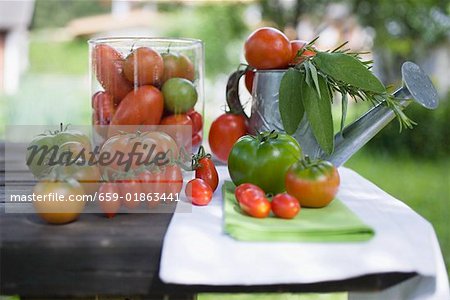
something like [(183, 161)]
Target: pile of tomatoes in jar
[(145, 88)]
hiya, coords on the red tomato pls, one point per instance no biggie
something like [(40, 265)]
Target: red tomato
[(285, 206), (173, 178), (197, 121), (177, 65), (108, 68), (248, 188), (143, 106), (198, 192), (206, 170), (253, 203), (314, 184), (109, 192), (180, 119), (296, 46), (123, 144), (249, 76), (267, 48), (129, 191), (144, 66), (103, 105), (224, 132)]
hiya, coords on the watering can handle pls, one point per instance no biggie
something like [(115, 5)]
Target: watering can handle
[(232, 93)]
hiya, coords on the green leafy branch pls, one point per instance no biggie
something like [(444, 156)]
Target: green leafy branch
[(308, 88)]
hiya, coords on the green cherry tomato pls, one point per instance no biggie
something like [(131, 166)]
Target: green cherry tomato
[(313, 183), (57, 138), (263, 160), (180, 95)]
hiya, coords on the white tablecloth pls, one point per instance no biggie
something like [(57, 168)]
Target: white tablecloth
[(196, 250)]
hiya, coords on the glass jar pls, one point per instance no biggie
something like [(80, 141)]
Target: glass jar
[(148, 81)]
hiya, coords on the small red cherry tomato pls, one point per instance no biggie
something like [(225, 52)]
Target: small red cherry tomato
[(285, 206), (206, 170), (130, 190), (247, 188), (197, 121), (109, 191), (253, 202), (296, 46), (198, 192), (103, 105), (180, 119)]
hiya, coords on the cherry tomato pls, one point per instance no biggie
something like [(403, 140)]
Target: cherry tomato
[(110, 203), (129, 191), (142, 106), (108, 68), (177, 65), (206, 170), (180, 119), (224, 132), (198, 192), (87, 175), (58, 212), (103, 105), (144, 66), (267, 48), (249, 77), (248, 188), (146, 144), (285, 206), (253, 202), (180, 95), (197, 121), (313, 183), (296, 46), (173, 178)]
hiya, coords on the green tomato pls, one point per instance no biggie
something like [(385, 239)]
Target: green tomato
[(263, 160), (179, 94), (38, 160)]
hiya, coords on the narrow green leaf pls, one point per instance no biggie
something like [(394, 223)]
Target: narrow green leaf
[(318, 111), (344, 101), (307, 75), (313, 70), (290, 100), (348, 69)]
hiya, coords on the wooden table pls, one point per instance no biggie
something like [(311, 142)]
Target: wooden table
[(120, 256)]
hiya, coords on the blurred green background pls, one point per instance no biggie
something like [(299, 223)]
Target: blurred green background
[(413, 166)]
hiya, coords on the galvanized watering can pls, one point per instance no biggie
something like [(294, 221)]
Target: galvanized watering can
[(265, 114)]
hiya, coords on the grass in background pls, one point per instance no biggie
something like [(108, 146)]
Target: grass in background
[(424, 185), (69, 57)]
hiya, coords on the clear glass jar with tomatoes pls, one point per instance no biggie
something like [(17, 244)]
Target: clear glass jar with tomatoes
[(148, 81)]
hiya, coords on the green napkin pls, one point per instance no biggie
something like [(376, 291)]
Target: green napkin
[(333, 223)]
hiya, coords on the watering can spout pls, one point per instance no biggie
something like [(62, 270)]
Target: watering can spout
[(417, 87), (265, 114)]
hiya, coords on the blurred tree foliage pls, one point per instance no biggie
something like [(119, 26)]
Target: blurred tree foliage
[(405, 30), (57, 13), (429, 139), (220, 26)]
